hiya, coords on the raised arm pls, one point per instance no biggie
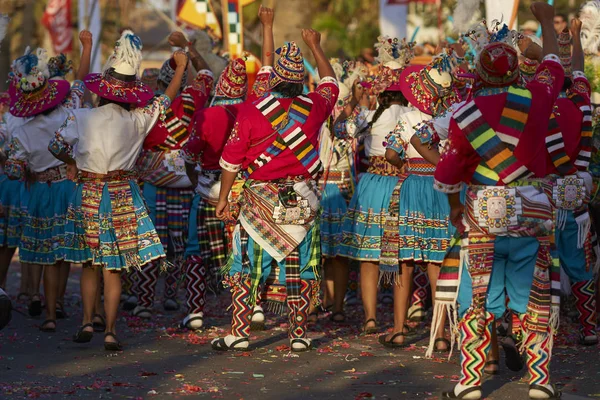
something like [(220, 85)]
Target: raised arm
[(358, 95), (313, 39), (85, 37), (177, 39), (577, 59), (545, 15), (266, 17), (181, 60)]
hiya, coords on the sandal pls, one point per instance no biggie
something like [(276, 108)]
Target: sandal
[(390, 343), (44, 328), (552, 395), (60, 311), (306, 345), (442, 340), (112, 346), (417, 315), (21, 297), (464, 394), (409, 331), (83, 336), (192, 321), (35, 307), (514, 359), (99, 326), (257, 322), (491, 371), (314, 315), (171, 305), (338, 317), (142, 312), (220, 345), (591, 340), (372, 329)]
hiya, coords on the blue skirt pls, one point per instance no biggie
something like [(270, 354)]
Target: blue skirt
[(192, 245), (423, 221), (362, 227), (43, 239), (108, 225), (11, 223), (334, 203)]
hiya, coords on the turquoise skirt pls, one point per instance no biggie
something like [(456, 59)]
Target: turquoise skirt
[(108, 225), (423, 221), (362, 227), (334, 203), (43, 239), (11, 223)]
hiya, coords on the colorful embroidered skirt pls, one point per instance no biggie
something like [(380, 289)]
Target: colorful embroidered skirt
[(11, 223), (362, 227), (109, 225), (334, 202), (418, 227), (43, 239), (169, 209)]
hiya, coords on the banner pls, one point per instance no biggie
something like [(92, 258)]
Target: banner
[(89, 18), (198, 14), (234, 30), (505, 11), (57, 19), (392, 18)]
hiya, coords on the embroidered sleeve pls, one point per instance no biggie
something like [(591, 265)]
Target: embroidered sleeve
[(149, 115), (75, 98), (230, 167), (328, 90), (427, 134), (64, 139), (17, 160), (261, 84), (238, 144), (352, 126), (394, 140)]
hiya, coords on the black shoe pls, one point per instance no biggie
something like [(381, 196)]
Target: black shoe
[(35, 308), (514, 359), (5, 311)]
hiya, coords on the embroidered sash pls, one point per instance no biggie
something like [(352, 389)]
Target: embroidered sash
[(177, 127), (495, 147), (288, 125)]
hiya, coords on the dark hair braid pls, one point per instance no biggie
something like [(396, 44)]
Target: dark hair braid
[(385, 101)]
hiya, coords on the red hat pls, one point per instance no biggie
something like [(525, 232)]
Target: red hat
[(233, 82), (498, 65), (31, 89)]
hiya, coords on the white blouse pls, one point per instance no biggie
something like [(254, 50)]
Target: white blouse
[(375, 139), (108, 138)]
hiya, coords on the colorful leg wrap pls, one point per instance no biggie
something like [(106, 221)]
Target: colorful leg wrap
[(474, 348), (146, 288), (298, 315), (538, 357), (195, 272), (585, 295), (242, 312), (421, 284), (172, 281)]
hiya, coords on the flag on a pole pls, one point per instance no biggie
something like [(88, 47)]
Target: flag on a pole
[(89, 18), (199, 14), (392, 18), (57, 19), (234, 28)]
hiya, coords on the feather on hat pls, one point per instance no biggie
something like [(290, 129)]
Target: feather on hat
[(589, 14)]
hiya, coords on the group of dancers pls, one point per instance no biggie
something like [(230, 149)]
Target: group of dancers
[(473, 175)]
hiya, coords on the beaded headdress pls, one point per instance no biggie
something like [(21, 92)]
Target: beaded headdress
[(233, 82), (393, 55), (289, 67)]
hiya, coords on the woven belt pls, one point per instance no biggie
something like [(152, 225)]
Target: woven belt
[(380, 166), (419, 166), (112, 176), (55, 174), (334, 176)]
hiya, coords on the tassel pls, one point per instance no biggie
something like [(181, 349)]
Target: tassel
[(561, 219), (584, 224)]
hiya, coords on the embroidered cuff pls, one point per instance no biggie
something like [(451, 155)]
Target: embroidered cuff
[(266, 69), (78, 87), (15, 169), (445, 188), (161, 104), (579, 74), (552, 57), (189, 157), (393, 142), (329, 79), (59, 147), (229, 167)]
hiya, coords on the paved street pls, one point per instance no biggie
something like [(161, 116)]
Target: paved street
[(162, 362)]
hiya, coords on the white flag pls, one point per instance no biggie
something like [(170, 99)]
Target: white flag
[(392, 19), (89, 18)]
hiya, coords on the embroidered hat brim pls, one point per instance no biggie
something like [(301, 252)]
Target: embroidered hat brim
[(110, 88), (408, 79), (30, 104)]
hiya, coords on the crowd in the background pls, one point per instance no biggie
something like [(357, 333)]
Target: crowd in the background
[(462, 185)]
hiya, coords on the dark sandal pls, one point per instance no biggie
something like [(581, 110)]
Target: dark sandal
[(557, 394), (99, 326), (514, 359), (442, 340), (60, 311), (257, 326), (341, 320), (409, 331), (417, 318), (35, 308), (43, 327), (390, 343), (220, 345), (491, 371), (461, 395), (314, 314), (371, 330), (23, 296), (83, 336), (112, 346), (307, 347)]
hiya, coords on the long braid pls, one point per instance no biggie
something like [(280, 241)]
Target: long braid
[(385, 101)]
